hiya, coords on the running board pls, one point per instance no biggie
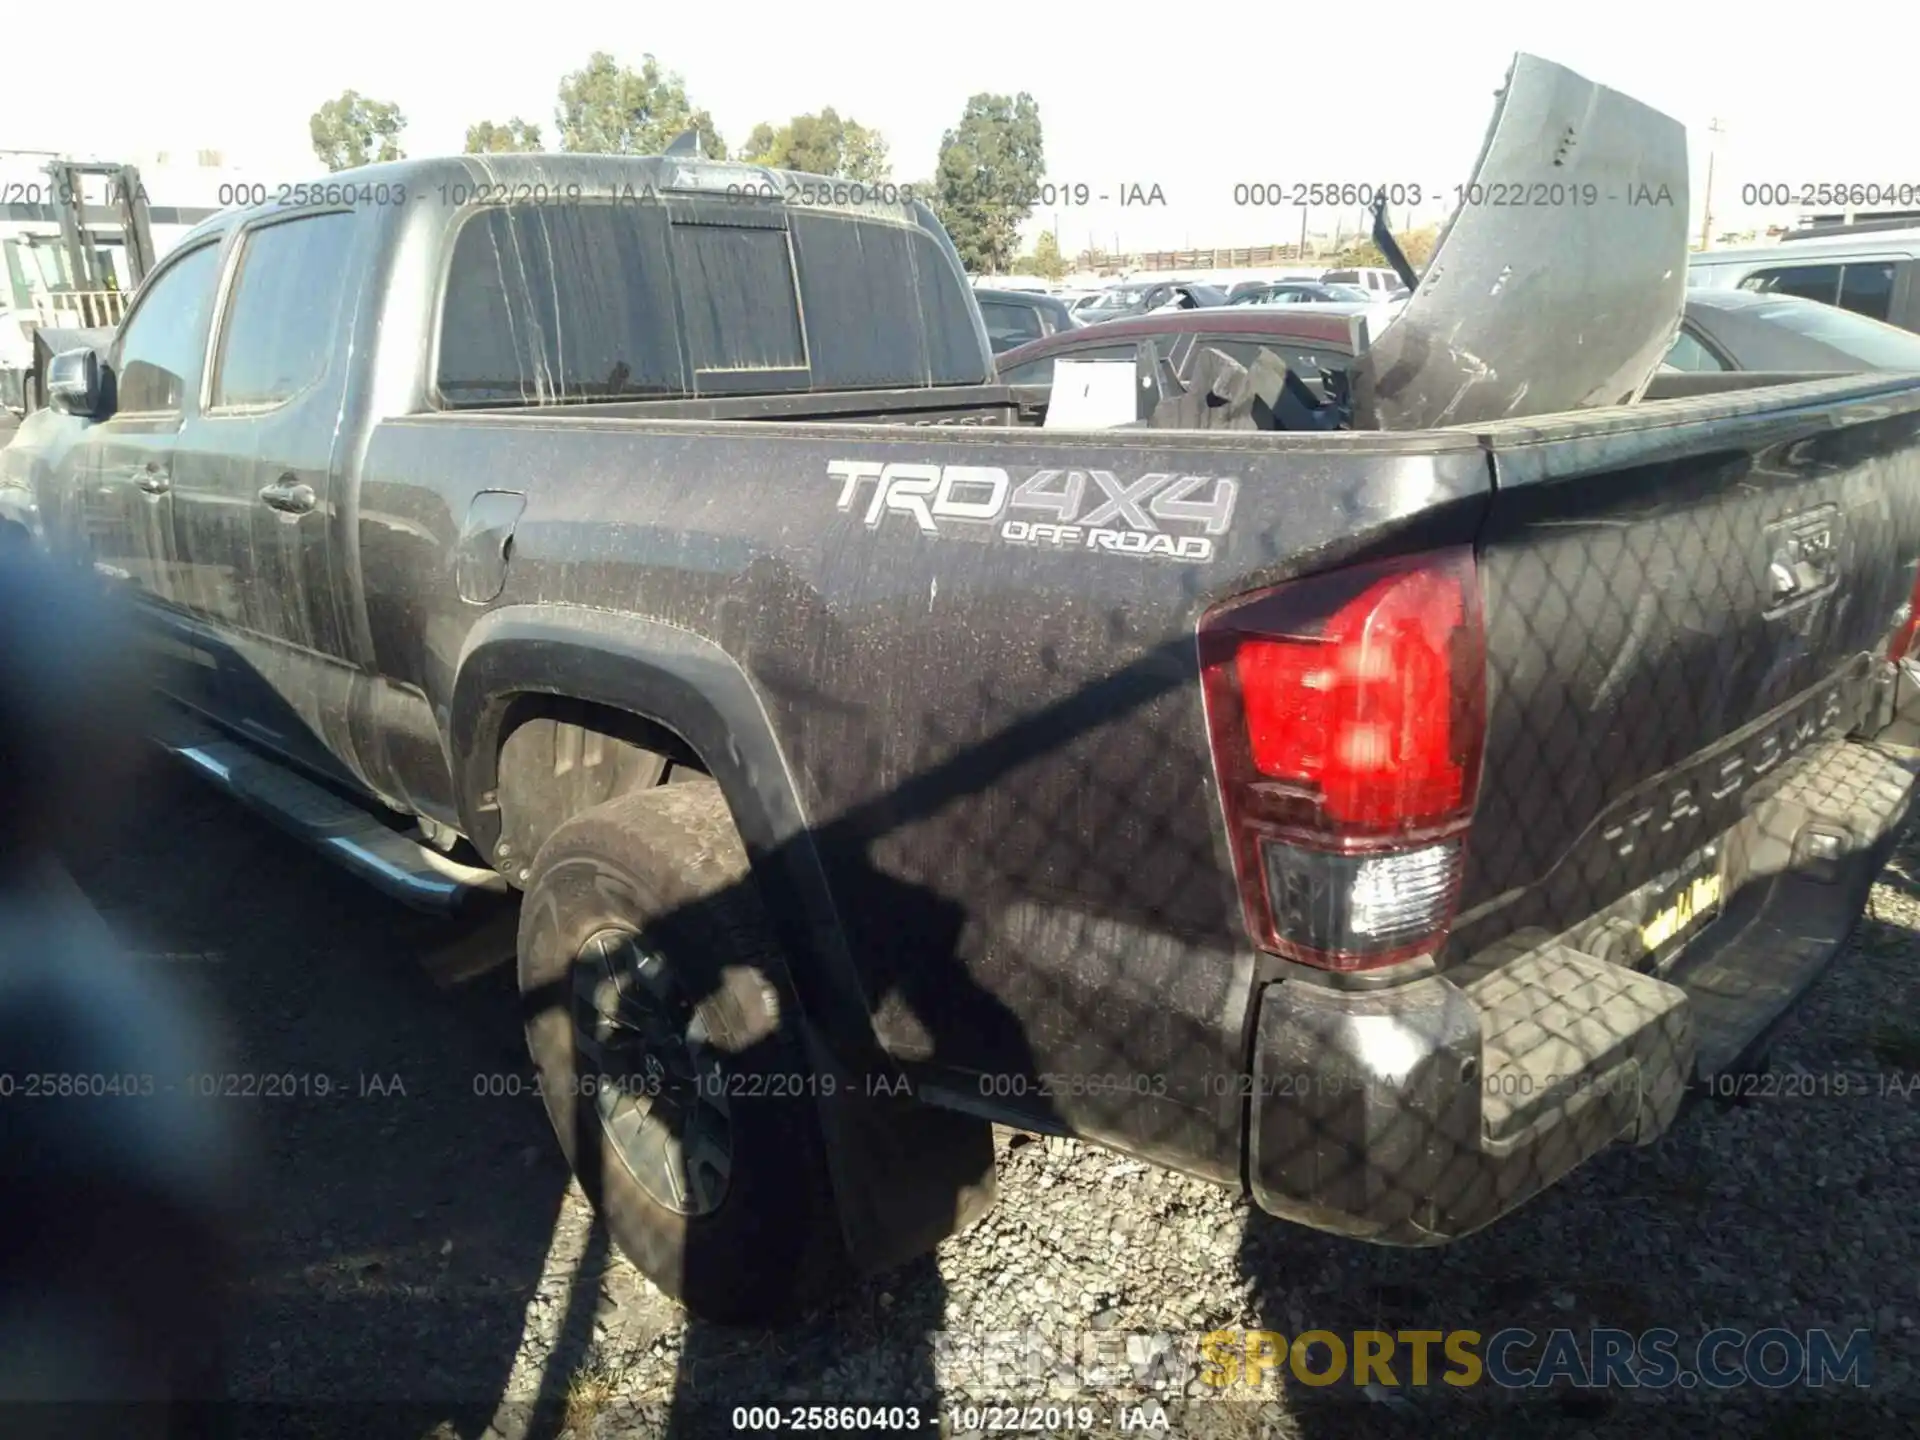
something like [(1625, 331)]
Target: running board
[(409, 871)]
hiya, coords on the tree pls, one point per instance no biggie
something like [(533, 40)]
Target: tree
[(487, 138), (608, 109), (821, 144), (989, 176), (353, 130), (1416, 245), (927, 193), (1046, 259)]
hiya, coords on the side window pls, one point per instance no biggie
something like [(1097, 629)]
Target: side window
[(1307, 364), (1040, 372), (1687, 353), (159, 347), (1809, 282), (282, 313), (1009, 325), (1867, 289)]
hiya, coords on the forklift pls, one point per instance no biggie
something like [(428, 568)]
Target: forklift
[(93, 299)]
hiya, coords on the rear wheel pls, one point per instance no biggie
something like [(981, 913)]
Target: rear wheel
[(662, 1023)]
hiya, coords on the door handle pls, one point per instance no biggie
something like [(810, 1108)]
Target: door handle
[(289, 496), (152, 479)]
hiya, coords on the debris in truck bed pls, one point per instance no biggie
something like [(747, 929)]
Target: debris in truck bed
[(1557, 284), (1269, 395)]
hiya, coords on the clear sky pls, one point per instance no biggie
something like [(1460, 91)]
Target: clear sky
[(1381, 92)]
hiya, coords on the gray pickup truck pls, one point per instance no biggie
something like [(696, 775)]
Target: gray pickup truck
[(1384, 821)]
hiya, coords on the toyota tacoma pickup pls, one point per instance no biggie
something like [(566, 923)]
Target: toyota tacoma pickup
[(1382, 820)]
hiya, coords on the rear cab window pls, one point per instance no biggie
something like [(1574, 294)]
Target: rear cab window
[(576, 302)]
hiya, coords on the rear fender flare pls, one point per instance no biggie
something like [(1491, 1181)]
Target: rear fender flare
[(692, 687), (904, 1176)]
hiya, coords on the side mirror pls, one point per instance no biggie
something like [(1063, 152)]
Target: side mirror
[(73, 383)]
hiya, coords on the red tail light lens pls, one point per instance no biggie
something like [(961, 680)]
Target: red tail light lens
[(1909, 631), (1348, 714)]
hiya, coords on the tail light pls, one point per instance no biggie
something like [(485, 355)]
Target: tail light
[(1347, 715), (1909, 631)]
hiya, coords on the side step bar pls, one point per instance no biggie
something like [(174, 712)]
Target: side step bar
[(411, 872)]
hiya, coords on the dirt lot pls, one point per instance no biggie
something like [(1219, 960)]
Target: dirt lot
[(420, 1265)]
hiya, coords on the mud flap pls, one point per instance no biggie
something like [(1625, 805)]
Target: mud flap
[(905, 1175)]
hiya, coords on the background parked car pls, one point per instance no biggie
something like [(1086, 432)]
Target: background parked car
[(1377, 282), (1302, 292), (1762, 330), (1146, 297), (1189, 297), (1719, 330), (1016, 316), (1868, 268), (1259, 280)]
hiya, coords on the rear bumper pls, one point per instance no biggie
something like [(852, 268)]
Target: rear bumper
[(1418, 1114)]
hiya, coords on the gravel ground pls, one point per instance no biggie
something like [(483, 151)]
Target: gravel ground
[(424, 1247)]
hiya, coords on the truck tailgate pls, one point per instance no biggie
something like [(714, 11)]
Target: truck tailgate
[(1685, 601)]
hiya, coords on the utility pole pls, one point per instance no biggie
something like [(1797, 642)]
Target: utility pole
[(1706, 210)]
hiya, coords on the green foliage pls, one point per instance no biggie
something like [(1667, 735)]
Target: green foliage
[(927, 193), (608, 109), (516, 135), (989, 175), (353, 130), (1416, 245), (1046, 259), (821, 144)]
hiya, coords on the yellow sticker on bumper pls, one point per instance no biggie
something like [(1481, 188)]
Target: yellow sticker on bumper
[(1695, 900)]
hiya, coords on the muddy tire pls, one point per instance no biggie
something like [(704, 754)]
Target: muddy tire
[(646, 958)]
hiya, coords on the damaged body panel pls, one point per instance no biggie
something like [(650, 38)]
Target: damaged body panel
[(1557, 284)]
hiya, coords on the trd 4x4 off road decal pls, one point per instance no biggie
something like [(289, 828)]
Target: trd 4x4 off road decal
[(1082, 509)]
